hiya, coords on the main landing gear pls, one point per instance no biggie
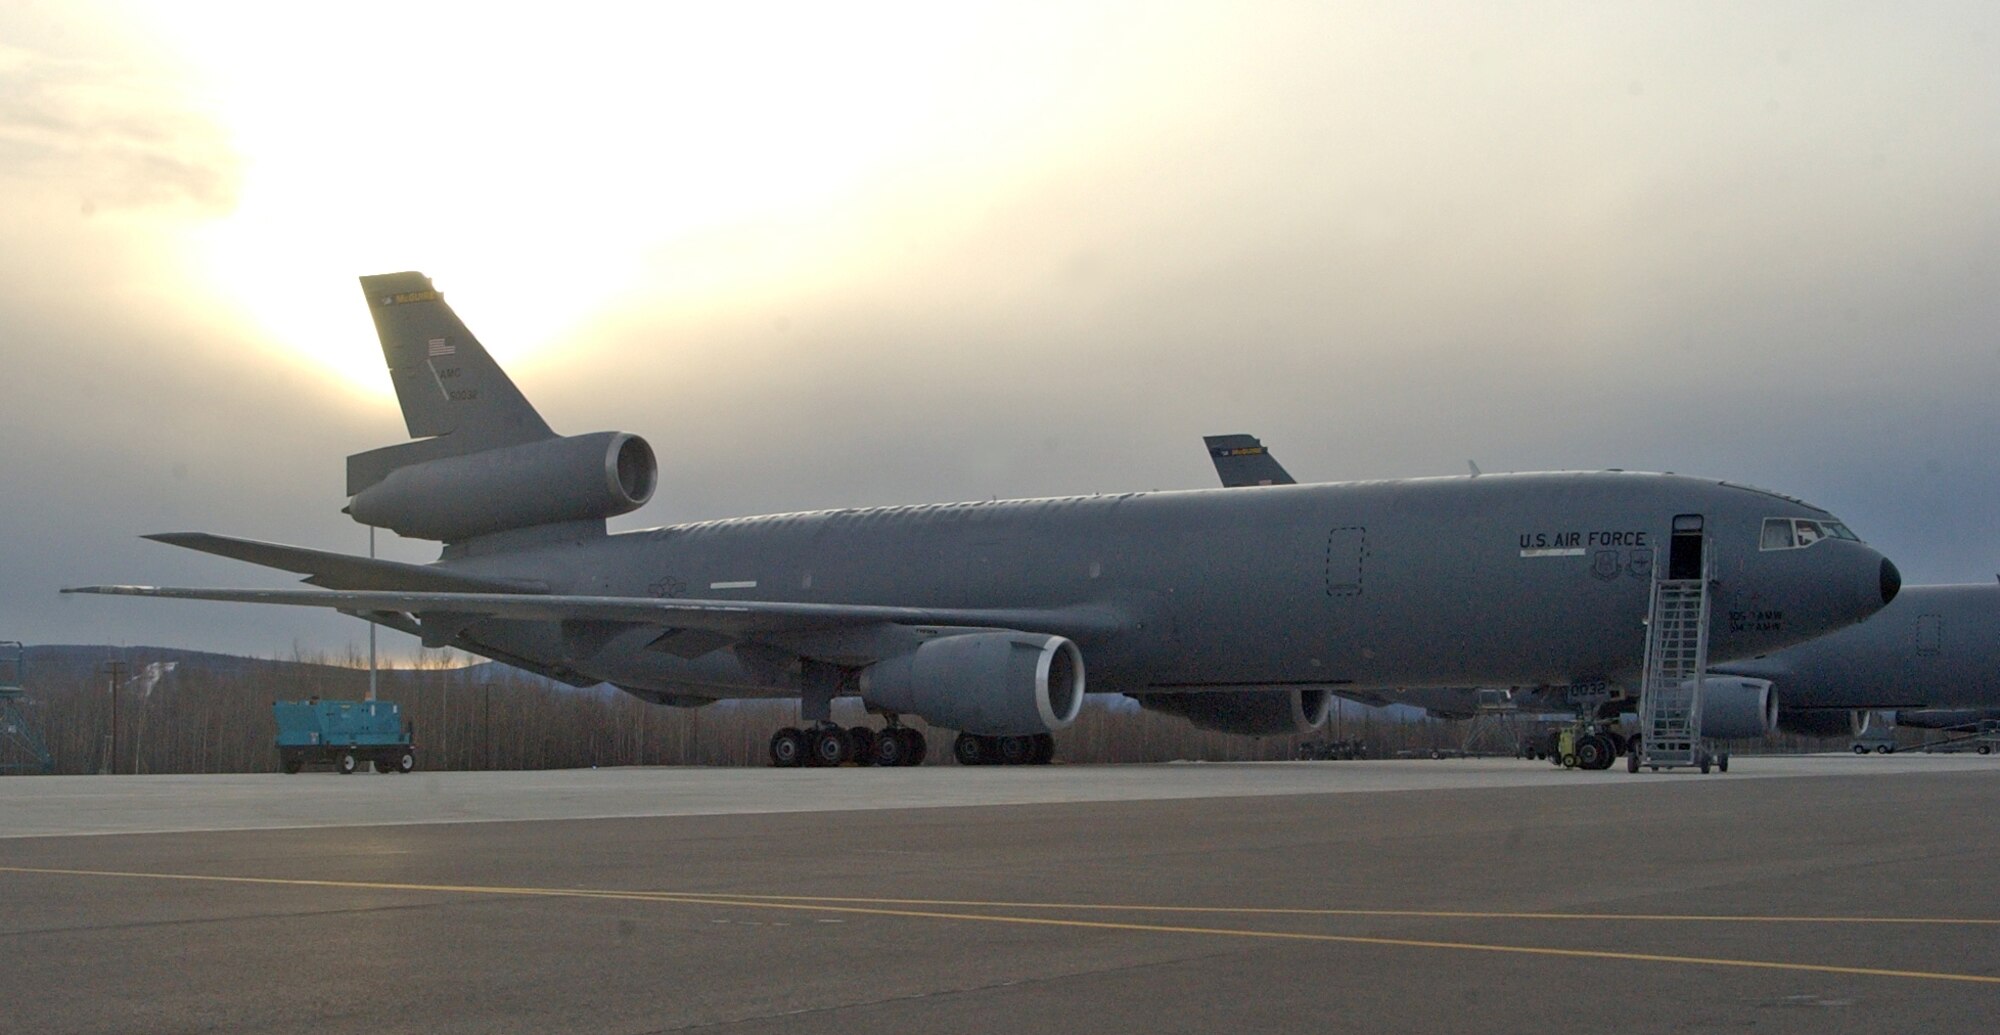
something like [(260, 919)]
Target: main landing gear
[(972, 749), (827, 744)]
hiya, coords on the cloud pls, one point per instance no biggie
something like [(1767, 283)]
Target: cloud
[(108, 135)]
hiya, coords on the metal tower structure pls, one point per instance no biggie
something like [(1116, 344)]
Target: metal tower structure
[(14, 725)]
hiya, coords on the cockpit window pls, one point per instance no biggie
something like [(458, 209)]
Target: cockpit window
[(1797, 533)]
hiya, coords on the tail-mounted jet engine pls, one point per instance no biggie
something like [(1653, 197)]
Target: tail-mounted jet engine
[(995, 684), (578, 478), (1734, 708), (1249, 713)]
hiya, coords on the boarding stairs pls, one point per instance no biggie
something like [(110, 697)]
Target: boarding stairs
[(1676, 657)]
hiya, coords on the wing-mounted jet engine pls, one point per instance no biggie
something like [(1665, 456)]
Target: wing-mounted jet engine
[(1248, 713), (1823, 722), (1733, 708), (1016, 688)]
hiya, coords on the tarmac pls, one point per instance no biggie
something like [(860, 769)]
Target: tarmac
[(1821, 894)]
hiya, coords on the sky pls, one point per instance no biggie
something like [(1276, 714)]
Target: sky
[(871, 253)]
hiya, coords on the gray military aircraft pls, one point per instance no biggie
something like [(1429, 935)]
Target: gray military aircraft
[(1241, 608), (1935, 652), (1930, 659)]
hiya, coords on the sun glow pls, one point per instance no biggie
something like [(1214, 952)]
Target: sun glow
[(537, 163)]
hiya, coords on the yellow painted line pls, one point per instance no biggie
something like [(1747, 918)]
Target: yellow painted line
[(1418, 914), (1036, 921)]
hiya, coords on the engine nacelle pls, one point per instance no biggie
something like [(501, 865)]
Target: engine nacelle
[(579, 478), (996, 684), (1945, 718), (1823, 722), (1249, 713), (1734, 708)]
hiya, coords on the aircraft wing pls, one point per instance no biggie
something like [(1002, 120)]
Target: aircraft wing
[(733, 619)]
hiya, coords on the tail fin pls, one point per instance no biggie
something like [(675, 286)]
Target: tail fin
[(455, 399), (1242, 460)]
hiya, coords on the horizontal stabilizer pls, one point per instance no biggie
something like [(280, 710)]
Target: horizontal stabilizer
[(341, 571)]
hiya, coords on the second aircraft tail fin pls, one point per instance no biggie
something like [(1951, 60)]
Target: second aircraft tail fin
[(1242, 460)]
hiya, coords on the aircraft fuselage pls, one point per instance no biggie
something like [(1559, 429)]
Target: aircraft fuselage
[(1496, 580)]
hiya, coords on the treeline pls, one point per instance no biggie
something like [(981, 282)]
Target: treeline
[(189, 713)]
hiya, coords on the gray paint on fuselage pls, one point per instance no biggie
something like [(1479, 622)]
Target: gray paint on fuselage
[(1230, 589), (1932, 647)]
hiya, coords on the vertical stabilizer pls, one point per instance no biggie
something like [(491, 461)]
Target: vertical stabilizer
[(446, 382), (1242, 460)]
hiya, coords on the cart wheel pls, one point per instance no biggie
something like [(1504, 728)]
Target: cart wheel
[(1985, 749), (293, 764), (1860, 749), (1569, 761), (1722, 762), (1632, 761), (406, 761), (384, 766), (1705, 763), (348, 763)]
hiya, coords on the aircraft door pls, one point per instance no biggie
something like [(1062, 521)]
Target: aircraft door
[(1684, 548)]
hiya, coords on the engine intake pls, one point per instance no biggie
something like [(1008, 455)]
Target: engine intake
[(988, 683), (578, 478), (1248, 713)]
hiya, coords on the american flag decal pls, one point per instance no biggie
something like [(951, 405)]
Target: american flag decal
[(442, 347)]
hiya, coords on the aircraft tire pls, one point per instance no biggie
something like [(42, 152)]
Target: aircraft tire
[(1593, 752), (347, 763), (891, 749), (1045, 748), (830, 746), (1016, 750), (1722, 762), (861, 744), (788, 748), (919, 746), (1632, 761), (970, 750)]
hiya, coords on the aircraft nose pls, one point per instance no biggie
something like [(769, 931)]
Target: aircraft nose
[(1892, 581)]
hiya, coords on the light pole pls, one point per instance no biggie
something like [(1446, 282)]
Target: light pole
[(115, 669), (371, 624)]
